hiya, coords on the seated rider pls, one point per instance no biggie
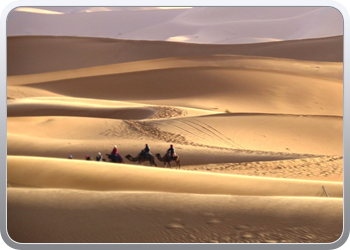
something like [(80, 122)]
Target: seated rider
[(146, 150), (115, 155), (115, 150), (171, 151), (99, 157)]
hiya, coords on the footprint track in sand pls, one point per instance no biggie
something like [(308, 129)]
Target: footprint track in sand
[(221, 135), (132, 129), (208, 131), (167, 112), (325, 166), (251, 234)]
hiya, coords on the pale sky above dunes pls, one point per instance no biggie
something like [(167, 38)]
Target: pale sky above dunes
[(37, 10), (93, 9), (206, 25)]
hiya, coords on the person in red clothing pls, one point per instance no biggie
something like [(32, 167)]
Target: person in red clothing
[(115, 156), (115, 150)]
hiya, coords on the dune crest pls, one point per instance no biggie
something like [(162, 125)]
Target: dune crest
[(41, 172), (68, 53)]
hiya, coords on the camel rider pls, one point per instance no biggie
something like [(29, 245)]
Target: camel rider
[(146, 150), (115, 150), (171, 151), (99, 157), (114, 153)]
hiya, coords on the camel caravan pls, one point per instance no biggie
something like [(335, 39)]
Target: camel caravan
[(144, 156)]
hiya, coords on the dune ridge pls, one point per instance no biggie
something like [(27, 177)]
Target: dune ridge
[(327, 70), (127, 178), (260, 86), (33, 56)]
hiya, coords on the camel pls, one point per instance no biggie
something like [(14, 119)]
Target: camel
[(167, 159), (118, 159), (142, 158)]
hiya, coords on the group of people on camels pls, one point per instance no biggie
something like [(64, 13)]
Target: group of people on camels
[(144, 155)]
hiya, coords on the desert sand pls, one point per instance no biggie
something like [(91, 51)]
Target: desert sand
[(258, 129)]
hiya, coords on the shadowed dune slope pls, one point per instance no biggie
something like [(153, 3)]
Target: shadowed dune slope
[(78, 111), (29, 55), (326, 70), (118, 217)]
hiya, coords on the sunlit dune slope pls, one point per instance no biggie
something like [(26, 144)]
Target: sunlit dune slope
[(29, 55), (219, 84), (236, 131), (78, 136), (73, 174), (279, 133)]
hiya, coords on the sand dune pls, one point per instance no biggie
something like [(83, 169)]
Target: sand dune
[(70, 136), (258, 128), (29, 55), (68, 110), (259, 132), (117, 217), (327, 168), (87, 175), (326, 70), (270, 88), (242, 132)]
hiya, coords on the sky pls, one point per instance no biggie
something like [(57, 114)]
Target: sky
[(209, 25)]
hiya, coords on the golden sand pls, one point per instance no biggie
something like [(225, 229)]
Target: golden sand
[(258, 128)]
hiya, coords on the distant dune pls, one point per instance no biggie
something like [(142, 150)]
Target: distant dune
[(29, 55), (210, 25)]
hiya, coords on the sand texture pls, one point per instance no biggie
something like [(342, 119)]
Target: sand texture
[(258, 129)]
